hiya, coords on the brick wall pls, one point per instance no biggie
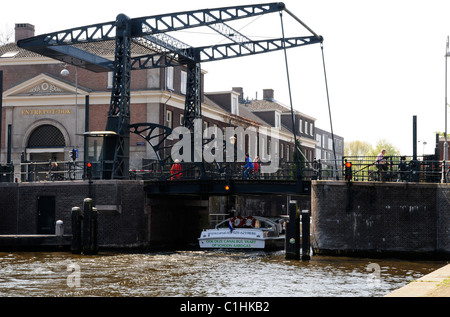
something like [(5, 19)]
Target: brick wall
[(126, 217), (122, 220), (380, 218)]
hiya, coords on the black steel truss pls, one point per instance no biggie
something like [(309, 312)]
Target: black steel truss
[(151, 34)]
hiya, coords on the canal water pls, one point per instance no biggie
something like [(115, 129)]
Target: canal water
[(202, 274)]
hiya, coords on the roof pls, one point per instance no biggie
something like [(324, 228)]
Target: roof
[(256, 105), (21, 53), (104, 48), (261, 105)]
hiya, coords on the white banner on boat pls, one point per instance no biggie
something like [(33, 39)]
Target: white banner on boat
[(232, 243)]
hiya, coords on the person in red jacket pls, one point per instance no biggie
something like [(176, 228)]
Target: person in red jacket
[(175, 171), (256, 165)]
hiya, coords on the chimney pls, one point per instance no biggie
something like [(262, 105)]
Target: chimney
[(240, 91), (23, 31), (268, 94)]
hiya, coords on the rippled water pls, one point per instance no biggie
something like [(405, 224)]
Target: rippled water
[(202, 274)]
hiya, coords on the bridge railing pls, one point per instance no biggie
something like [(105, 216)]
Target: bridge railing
[(396, 169), (42, 171), (364, 168), (235, 171)]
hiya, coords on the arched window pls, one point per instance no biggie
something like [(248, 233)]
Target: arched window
[(46, 136)]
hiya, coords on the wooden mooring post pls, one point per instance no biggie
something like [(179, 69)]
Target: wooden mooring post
[(292, 243), (77, 219), (89, 227), (306, 244), (84, 229)]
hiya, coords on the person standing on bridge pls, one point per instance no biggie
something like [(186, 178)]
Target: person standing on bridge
[(381, 164), (175, 171), (257, 166), (248, 167)]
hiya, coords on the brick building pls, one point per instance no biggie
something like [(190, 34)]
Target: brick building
[(43, 109)]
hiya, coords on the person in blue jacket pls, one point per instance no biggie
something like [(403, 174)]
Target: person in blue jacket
[(248, 167)]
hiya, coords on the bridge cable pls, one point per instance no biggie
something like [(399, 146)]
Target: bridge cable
[(329, 110), (297, 150)]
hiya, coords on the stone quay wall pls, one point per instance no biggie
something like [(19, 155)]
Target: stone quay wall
[(121, 205), (127, 217), (381, 219)]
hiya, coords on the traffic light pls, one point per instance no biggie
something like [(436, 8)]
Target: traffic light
[(88, 170), (348, 171), (73, 154)]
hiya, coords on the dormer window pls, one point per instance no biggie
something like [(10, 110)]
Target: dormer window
[(277, 120), (234, 105), (9, 54)]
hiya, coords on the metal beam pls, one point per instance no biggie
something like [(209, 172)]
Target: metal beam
[(232, 50), (232, 34), (223, 51), (203, 17), (83, 34), (166, 43), (118, 149), (80, 58)]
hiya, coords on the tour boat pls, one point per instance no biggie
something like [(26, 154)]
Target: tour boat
[(252, 232)]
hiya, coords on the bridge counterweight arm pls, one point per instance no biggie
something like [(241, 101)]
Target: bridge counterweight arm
[(204, 17)]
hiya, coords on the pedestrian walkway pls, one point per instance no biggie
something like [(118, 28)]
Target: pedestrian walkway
[(435, 284)]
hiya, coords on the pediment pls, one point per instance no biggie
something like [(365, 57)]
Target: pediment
[(43, 85)]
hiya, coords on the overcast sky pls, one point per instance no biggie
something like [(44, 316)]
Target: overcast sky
[(385, 59)]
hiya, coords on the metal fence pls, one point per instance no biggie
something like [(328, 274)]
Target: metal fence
[(42, 171), (363, 169), (397, 169), (235, 171)]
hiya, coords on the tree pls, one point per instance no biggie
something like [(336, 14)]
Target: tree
[(6, 35), (357, 148), (361, 148), (391, 150)]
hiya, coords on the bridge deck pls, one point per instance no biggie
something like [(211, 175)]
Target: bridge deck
[(230, 187)]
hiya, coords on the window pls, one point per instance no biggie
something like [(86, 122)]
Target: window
[(169, 117), (110, 80), (181, 119), (183, 82), (169, 78), (46, 136), (319, 140), (282, 151), (300, 126), (311, 131), (318, 154)]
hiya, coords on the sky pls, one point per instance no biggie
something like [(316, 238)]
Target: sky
[(384, 60)]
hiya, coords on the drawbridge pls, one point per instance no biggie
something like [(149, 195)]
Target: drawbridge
[(156, 36)]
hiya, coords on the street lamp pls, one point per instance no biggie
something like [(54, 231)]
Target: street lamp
[(423, 146), (445, 157), (65, 72)]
